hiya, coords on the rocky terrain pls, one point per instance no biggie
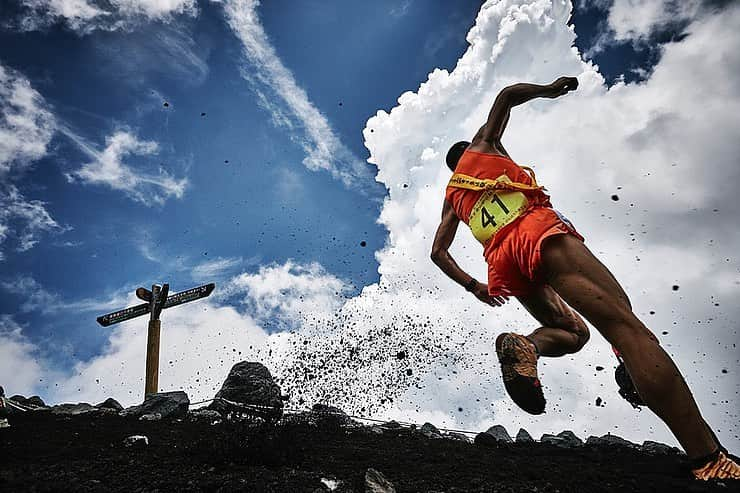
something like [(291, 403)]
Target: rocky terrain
[(243, 441)]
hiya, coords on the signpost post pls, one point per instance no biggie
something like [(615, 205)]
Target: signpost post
[(155, 301)]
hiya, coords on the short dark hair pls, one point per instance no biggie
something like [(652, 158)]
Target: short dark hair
[(454, 154)]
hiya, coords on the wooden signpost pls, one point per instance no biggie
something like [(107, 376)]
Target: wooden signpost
[(156, 300)]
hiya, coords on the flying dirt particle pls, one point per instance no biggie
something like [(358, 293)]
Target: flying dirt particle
[(401, 355), (599, 368), (724, 370), (363, 243), (340, 103), (665, 332), (205, 253), (166, 104), (652, 312), (226, 161), (675, 287), (202, 114), (598, 401), (615, 197), (405, 185)]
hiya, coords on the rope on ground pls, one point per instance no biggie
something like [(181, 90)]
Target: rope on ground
[(263, 408)]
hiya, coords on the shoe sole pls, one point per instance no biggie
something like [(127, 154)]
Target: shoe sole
[(520, 381)]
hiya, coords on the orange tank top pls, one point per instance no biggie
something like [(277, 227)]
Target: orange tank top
[(489, 166)]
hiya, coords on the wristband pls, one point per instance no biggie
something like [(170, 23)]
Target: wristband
[(470, 286)]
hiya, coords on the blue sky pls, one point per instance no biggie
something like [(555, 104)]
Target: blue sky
[(247, 198), (247, 195), (194, 143)]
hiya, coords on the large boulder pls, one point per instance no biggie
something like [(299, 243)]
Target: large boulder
[(250, 389), (165, 404)]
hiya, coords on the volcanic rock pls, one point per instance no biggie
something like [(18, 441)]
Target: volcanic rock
[(611, 440), (36, 401), (73, 409), (375, 482), (136, 441), (457, 436), (250, 383), (323, 414), (430, 431), (166, 404), (204, 414), (111, 403), (570, 439), (523, 436), (658, 448), (494, 435)]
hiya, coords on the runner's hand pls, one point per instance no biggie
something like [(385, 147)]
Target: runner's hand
[(563, 85), (481, 292)]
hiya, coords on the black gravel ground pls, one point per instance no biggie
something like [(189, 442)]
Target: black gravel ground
[(44, 452)]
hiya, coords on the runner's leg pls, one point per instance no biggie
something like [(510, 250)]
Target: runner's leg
[(563, 331), (588, 286)]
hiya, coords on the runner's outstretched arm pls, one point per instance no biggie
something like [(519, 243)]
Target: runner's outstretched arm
[(442, 258), (515, 95)]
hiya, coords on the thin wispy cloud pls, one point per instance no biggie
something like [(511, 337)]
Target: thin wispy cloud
[(85, 16), (324, 150), (37, 298), (108, 168)]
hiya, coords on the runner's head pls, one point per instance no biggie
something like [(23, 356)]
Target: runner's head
[(453, 155)]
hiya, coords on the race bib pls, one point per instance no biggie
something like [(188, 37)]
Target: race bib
[(494, 210)]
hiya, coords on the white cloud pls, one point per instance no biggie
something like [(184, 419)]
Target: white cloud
[(20, 366), (290, 292), (85, 16), (216, 268), (637, 19), (108, 168), (26, 124), (26, 128), (324, 150)]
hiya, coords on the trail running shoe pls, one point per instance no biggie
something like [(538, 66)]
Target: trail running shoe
[(722, 467), (519, 368)]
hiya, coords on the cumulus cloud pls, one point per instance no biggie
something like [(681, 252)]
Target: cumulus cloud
[(26, 128), (85, 16), (416, 346), (289, 292), (293, 109), (108, 168)]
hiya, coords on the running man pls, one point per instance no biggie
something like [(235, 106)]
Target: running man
[(536, 255)]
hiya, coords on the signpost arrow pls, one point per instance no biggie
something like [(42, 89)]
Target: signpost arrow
[(139, 310), (156, 300)]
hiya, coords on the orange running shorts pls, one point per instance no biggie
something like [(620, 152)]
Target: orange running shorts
[(513, 264)]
